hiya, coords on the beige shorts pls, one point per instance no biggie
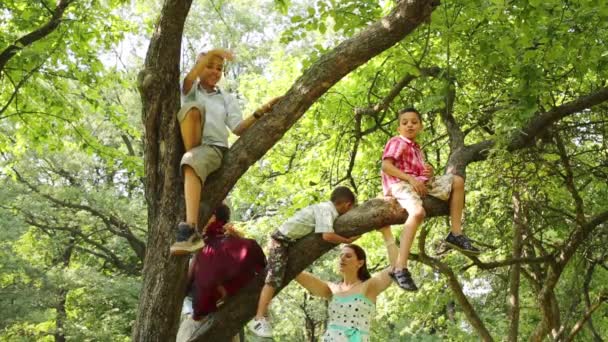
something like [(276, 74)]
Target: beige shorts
[(204, 159), (188, 328), (438, 187)]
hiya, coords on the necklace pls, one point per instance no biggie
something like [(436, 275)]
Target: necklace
[(344, 289)]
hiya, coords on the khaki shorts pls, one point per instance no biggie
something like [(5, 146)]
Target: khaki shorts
[(189, 328), (438, 187), (204, 159)]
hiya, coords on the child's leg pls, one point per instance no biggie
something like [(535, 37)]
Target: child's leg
[(192, 194), (415, 217), (265, 298), (457, 204), (277, 263), (190, 127)]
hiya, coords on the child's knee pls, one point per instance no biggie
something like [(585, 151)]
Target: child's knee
[(417, 213)]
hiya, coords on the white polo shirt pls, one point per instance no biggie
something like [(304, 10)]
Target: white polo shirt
[(221, 110), (317, 217)]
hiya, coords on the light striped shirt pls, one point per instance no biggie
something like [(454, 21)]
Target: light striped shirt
[(318, 218)]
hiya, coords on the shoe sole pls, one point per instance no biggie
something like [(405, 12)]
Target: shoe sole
[(403, 288), (462, 250), (258, 335), (179, 251)]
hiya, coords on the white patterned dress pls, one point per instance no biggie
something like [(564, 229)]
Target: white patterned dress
[(349, 319)]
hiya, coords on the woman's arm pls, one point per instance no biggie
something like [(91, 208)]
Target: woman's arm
[(381, 280), (314, 285)]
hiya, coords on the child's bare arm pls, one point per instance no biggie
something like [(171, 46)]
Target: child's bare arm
[(337, 238), (193, 74), (390, 169)]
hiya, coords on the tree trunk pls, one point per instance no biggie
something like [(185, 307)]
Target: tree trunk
[(61, 313), (514, 274), (164, 277)]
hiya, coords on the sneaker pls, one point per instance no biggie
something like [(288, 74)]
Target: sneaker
[(462, 244), (188, 241), (260, 327), (403, 278)]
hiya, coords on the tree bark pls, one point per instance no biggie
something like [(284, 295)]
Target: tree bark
[(164, 277), (514, 274)]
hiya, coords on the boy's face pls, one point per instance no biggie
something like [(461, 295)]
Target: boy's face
[(211, 73), (409, 125), (343, 207)]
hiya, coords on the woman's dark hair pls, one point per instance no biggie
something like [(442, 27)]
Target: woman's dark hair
[(409, 110), (222, 213), (363, 272)]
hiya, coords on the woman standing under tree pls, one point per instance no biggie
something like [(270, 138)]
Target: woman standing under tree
[(353, 300)]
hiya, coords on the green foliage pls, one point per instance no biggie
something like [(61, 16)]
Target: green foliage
[(72, 170)]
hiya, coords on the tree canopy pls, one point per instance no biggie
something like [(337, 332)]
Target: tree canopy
[(513, 97)]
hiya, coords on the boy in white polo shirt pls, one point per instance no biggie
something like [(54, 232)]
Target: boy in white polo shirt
[(205, 113), (317, 218)]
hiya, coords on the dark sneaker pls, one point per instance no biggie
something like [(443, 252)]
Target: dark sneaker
[(403, 278), (462, 244), (188, 241)]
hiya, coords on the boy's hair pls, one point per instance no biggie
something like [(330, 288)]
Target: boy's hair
[(342, 194), (408, 110), (222, 213)]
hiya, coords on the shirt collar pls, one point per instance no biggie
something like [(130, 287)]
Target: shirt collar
[(333, 208), (408, 141), (216, 90)]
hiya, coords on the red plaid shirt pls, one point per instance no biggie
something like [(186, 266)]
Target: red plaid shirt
[(406, 156)]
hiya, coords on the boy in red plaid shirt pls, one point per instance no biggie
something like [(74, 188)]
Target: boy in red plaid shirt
[(407, 178)]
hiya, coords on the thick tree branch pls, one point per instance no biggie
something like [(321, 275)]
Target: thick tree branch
[(526, 135), (508, 262), (35, 35)]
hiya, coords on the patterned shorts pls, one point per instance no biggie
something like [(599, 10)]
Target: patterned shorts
[(439, 187), (277, 259)]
